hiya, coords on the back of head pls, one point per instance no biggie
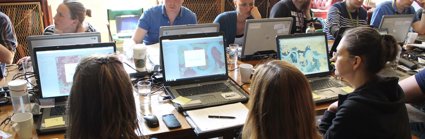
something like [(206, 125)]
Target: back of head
[(101, 103), (77, 10), (280, 98), (375, 49)]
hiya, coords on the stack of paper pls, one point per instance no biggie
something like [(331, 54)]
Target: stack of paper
[(202, 123)]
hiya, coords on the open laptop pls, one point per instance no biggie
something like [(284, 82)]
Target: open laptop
[(126, 25), (188, 29), (260, 37), (194, 66), (54, 68), (309, 53), (397, 25)]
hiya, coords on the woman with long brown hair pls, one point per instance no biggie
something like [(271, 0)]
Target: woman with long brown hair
[(281, 104), (101, 103)]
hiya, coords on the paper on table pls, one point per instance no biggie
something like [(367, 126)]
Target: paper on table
[(54, 122), (202, 123)]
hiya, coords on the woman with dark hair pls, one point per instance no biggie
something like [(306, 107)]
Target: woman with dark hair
[(376, 108), (101, 103), (281, 104), (70, 19)]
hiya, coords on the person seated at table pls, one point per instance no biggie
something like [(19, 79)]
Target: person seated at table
[(397, 7), (232, 23), (420, 29), (69, 18), (8, 42), (280, 99), (170, 13), (349, 13), (414, 89), (101, 102), (299, 10), (375, 109)]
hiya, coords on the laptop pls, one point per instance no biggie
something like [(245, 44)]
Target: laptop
[(194, 67), (126, 25), (188, 29), (309, 53), (260, 34), (54, 68), (397, 25)]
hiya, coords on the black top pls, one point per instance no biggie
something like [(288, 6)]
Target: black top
[(375, 111), (286, 8)]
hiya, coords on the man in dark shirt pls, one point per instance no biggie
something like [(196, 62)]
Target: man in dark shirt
[(299, 10), (8, 42)]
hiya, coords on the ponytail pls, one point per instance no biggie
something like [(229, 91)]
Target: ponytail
[(390, 48)]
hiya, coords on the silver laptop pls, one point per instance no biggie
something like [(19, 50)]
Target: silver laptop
[(126, 25), (194, 67), (309, 53), (260, 36), (54, 69), (188, 29), (397, 25)]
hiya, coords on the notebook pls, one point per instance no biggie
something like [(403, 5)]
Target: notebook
[(54, 68), (397, 25), (309, 53), (260, 34), (194, 69)]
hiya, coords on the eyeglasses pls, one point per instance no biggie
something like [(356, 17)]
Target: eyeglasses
[(246, 4)]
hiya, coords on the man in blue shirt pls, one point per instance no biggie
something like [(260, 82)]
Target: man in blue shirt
[(397, 7), (170, 13)]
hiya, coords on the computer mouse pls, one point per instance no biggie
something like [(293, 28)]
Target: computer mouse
[(151, 121)]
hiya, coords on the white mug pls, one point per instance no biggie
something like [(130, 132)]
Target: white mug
[(246, 70), (139, 56), (22, 125)]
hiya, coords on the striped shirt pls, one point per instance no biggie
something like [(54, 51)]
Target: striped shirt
[(338, 17), (51, 29), (7, 36)]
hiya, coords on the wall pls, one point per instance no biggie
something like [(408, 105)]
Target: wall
[(99, 7)]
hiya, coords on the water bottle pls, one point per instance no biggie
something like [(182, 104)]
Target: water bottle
[(19, 95)]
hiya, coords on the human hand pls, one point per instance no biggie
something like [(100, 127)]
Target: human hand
[(255, 13), (23, 59), (421, 3), (333, 107)]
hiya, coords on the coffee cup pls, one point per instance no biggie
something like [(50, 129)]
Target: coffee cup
[(139, 56), (22, 125), (246, 70)]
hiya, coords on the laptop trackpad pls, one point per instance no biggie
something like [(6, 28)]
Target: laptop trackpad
[(326, 93), (208, 98)]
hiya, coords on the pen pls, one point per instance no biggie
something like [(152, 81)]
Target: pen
[(222, 117)]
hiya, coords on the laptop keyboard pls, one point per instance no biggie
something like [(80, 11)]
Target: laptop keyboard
[(325, 83), (57, 110), (208, 88)]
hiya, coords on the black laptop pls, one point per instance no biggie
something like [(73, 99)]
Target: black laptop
[(194, 67), (54, 68)]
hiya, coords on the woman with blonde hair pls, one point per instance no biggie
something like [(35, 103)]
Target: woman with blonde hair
[(281, 104), (101, 103)]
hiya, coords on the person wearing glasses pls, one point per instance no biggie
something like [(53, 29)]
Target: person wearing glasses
[(348, 13), (232, 23), (170, 13), (299, 10), (399, 7), (376, 108)]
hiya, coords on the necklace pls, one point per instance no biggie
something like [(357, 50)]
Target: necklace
[(355, 22)]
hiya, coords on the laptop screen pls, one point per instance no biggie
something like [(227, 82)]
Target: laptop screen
[(55, 66), (307, 52), (397, 25), (193, 57)]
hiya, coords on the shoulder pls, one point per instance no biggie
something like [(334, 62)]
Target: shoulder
[(227, 14), (153, 10), (385, 5), (282, 4), (90, 28), (49, 30), (187, 12)]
